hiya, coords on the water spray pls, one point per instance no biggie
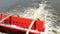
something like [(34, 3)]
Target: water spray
[(37, 16)]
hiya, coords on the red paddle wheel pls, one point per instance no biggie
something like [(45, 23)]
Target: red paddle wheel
[(19, 25)]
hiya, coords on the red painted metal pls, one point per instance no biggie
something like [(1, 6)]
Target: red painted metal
[(22, 22)]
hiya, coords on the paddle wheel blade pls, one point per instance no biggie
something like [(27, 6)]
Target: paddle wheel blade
[(21, 24)]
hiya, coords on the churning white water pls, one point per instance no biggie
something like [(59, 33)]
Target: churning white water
[(43, 14)]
